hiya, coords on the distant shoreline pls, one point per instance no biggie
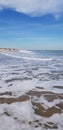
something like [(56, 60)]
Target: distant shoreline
[(8, 50)]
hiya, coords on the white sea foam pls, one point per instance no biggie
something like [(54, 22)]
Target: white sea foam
[(26, 51), (20, 116), (57, 119), (22, 111), (28, 79), (28, 58), (38, 59)]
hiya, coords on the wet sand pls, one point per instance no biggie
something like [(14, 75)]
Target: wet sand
[(35, 95), (49, 96), (13, 100), (39, 108), (59, 87)]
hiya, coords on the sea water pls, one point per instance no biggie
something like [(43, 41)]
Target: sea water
[(21, 74)]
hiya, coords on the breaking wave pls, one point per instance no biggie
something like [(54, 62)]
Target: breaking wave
[(28, 58), (26, 51)]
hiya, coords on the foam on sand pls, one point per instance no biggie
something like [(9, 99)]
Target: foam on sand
[(31, 95)]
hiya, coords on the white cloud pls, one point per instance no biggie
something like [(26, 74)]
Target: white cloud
[(35, 7)]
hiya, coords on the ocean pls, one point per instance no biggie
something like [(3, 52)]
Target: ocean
[(31, 90)]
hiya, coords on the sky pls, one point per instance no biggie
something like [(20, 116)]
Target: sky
[(31, 24)]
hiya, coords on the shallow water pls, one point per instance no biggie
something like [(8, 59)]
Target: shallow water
[(31, 90)]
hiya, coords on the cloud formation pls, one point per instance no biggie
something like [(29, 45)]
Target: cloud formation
[(34, 7)]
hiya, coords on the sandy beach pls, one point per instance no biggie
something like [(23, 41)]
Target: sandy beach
[(8, 50)]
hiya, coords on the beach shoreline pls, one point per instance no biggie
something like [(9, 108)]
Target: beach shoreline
[(9, 50)]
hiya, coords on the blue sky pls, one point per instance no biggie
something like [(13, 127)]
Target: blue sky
[(31, 25)]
